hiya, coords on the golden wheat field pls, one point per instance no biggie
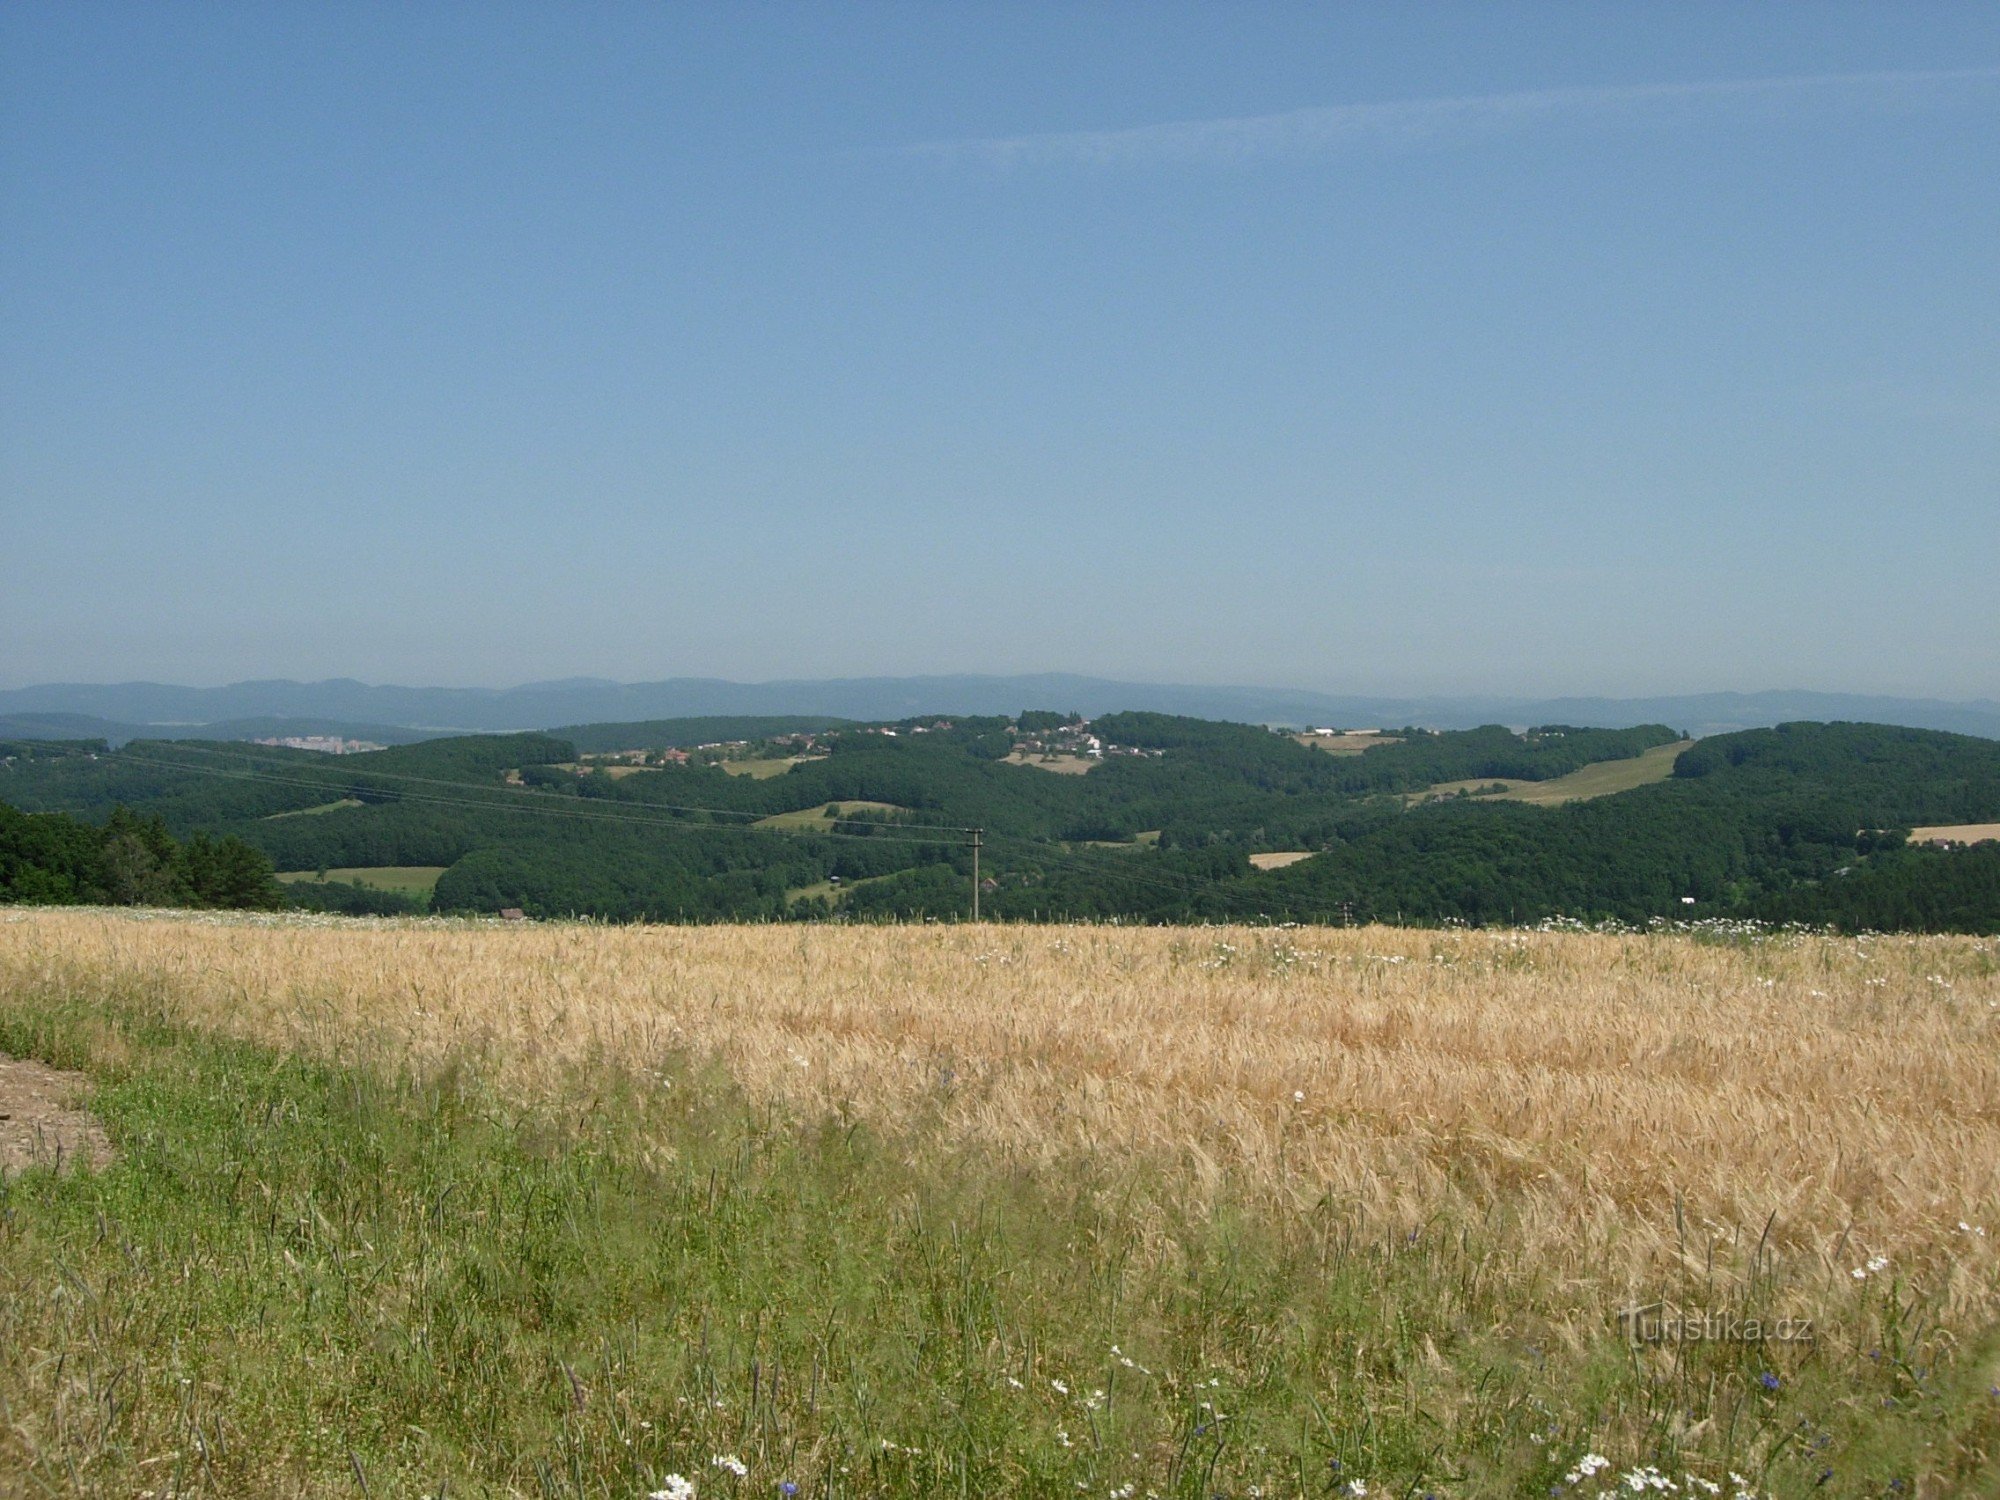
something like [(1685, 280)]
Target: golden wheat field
[(1609, 1107)]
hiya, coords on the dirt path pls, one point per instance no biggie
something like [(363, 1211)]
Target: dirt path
[(39, 1126)]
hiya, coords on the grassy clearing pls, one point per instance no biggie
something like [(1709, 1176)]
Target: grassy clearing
[(822, 816), (828, 890), (1599, 780), (407, 880), (922, 1211), (1346, 744), (1061, 765), (616, 770), (313, 812), (764, 770)]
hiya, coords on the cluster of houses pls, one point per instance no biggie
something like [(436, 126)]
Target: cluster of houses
[(326, 744), (1070, 739)]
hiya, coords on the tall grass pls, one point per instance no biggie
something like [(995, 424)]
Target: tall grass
[(452, 1208)]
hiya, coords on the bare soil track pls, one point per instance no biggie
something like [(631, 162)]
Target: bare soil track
[(39, 1125)]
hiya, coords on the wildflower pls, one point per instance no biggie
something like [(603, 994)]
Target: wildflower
[(1878, 1263), (732, 1463), (1298, 1096), (1356, 1488), (676, 1488), (1769, 1381), (788, 1488)]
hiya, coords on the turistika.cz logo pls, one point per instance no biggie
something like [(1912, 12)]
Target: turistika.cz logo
[(1658, 1323)]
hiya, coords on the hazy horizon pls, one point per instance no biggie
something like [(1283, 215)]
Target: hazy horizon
[(1628, 353), (1245, 685)]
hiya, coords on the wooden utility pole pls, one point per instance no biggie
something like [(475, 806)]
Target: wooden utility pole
[(973, 835)]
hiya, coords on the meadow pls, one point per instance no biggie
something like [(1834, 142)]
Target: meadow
[(456, 1208), (1599, 779), (407, 880), (824, 815), (765, 767)]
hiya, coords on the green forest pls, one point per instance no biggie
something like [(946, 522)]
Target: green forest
[(1803, 823)]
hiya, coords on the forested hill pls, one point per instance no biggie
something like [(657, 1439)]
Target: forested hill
[(1144, 816)]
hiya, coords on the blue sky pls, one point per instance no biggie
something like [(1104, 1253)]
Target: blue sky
[(1541, 348)]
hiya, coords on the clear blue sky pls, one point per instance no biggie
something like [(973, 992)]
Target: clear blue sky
[(1520, 348)]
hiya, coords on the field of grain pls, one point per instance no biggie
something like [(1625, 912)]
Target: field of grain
[(1848, 1086), (1278, 859), (1956, 833), (1469, 1151)]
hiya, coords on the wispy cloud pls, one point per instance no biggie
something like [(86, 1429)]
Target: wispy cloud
[(1411, 123)]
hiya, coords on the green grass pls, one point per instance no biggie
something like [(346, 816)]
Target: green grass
[(764, 770), (812, 819), (313, 812), (408, 880), (300, 1279), (1150, 839), (828, 890), (1599, 780)]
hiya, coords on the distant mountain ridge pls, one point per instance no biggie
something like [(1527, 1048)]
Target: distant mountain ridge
[(282, 705)]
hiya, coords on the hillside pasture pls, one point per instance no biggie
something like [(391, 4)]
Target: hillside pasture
[(1347, 744), (829, 891), (406, 880), (823, 816), (1601, 779), (1061, 765), (617, 770), (314, 812), (763, 770)]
